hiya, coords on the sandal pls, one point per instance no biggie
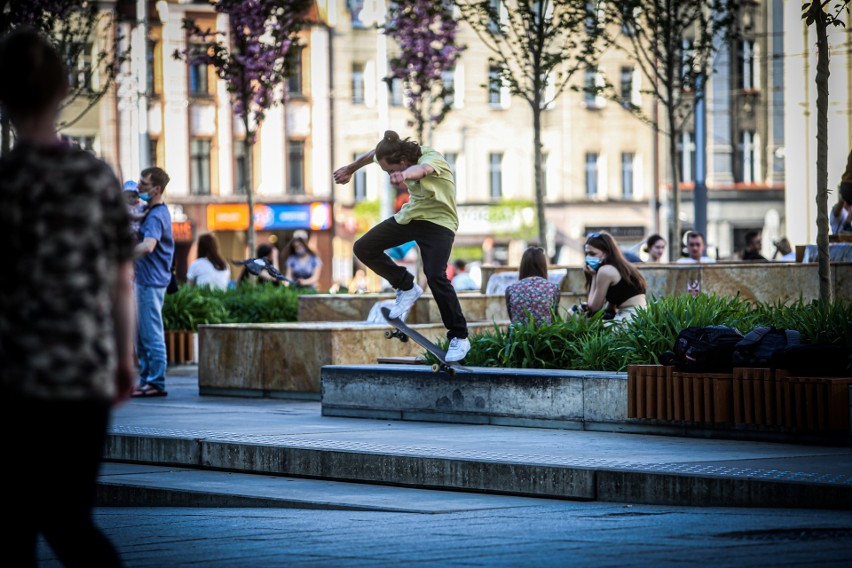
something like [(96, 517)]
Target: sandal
[(148, 390)]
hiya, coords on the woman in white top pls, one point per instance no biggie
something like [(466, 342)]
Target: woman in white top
[(209, 269)]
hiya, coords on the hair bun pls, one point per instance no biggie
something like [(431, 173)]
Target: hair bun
[(391, 136)]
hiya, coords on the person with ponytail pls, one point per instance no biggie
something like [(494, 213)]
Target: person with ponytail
[(430, 218), (611, 278)]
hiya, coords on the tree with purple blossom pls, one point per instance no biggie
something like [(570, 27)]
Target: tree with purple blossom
[(537, 47), (425, 32), (254, 59), (70, 25)]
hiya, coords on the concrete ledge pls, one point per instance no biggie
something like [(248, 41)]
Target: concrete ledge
[(516, 397), (285, 359)]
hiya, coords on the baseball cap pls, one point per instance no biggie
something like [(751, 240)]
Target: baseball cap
[(131, 186)]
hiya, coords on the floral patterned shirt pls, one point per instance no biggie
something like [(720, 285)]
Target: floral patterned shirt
[(65, 229), (533, 296)]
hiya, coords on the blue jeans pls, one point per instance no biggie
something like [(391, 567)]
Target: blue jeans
[(150, 337)]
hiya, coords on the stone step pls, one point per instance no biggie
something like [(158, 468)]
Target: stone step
[(535, 472)]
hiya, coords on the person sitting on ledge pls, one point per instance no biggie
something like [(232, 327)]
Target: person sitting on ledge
[(611, 278), (533, 294)]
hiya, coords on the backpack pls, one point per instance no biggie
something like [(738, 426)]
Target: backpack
[(706, 349), (762, 347), (815, 360)]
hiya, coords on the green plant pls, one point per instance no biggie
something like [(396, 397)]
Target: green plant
[(260, 303), (190, 307)]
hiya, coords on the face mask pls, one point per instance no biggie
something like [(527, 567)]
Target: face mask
[(144, 197), (593, 262), (301, 252)]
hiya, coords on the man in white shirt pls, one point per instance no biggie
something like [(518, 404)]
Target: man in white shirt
[(695, 249)]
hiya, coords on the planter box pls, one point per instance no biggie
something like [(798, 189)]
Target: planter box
[(754, 397), (181, 347), (650, 392), (813, 404), (707, 397)]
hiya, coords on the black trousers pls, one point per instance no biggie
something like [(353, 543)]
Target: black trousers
[(53, 452), (436, 244)]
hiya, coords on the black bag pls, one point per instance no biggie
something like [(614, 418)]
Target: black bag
[(815, 360), (706, 349), (762, 346), (172, 288)]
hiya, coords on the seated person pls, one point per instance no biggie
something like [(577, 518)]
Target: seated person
[(533, 294), (695, 249), (302, 265), (753, 243), (840, 216), (611, 278), (462, 281), (655, 246), (209, 268)]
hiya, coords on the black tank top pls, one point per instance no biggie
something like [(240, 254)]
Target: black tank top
[(619, 293)]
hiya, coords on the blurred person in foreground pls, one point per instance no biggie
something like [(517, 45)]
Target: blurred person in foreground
[(533, 295), (611, 278), (66, 323)]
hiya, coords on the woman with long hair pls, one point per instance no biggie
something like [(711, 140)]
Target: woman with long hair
[(655, 246), (533, 295), (209, 268), (429, 218), (611, 278), (302, 265)]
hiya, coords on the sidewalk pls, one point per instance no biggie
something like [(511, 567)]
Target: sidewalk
[(196, 436)]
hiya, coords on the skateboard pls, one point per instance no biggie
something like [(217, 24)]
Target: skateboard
[(403, 333), (257, 265)]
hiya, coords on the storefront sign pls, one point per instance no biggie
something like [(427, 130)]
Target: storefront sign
[(182, 232), (270, 217)]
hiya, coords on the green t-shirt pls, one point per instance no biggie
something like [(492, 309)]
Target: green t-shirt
[(433, 198)]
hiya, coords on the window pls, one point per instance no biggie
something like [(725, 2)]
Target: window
[(591, 174), (86, 143), (153, 146), (396, 91), (240, 167), (747, 78), (79, 61), (687, 58), (748, 169), (355, 9), (198, 78), (294, 81), (591, 84), (150, 63), (199, 166), (626, 86), (360, 181), (448, 77), (495, 175), (358, 83), (593, 17), (686, 156), (452, 158), (497, 16), (494, 85), (627, 159), (296, 166)]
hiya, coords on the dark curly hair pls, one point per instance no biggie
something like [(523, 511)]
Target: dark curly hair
[(394, 150)]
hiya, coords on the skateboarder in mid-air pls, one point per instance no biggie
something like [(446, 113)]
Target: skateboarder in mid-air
[(429, 218)]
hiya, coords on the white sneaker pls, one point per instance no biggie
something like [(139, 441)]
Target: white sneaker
[(458, 349), (404, 300)]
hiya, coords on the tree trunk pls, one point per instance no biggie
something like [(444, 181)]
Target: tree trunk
[(822, 74), (675, 241), (250, 185), (539, 185)]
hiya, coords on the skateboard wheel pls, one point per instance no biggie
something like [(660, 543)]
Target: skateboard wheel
[(436, 367), (451, 371), (403, 338), (388, 334)]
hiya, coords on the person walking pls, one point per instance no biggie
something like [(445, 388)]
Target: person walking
[(611, 278), (153, 272), (533, 295), (209, 268), (66, 315), (429, 218)]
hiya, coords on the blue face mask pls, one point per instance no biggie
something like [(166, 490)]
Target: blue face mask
[(144, 197), (593, 262)]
